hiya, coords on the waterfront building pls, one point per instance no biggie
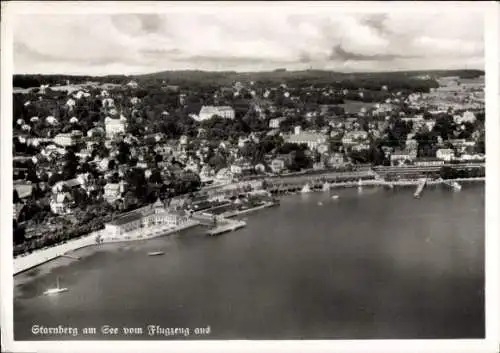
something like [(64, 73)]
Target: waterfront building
[(400, 157), (428, 162), (143, 219), (208, 112)]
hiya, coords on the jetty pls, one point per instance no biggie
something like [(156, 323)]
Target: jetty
[(225, 226), (420, 187)]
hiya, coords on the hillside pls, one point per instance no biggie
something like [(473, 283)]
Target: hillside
[(310, 77)]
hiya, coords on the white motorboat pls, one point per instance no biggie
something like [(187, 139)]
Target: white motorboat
[(156, 253), (335, 197), (306, 189), (456, 186), (56, 290)]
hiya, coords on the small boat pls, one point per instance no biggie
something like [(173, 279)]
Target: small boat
[(306, 189), (335, 197), (56, 290), (320, 203), (326, 186), (156, 253), (456, 186)]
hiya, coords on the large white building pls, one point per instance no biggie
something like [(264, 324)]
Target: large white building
[(68, 139), (311, 139), (115, 126), (276, 122), (154, 215), (209, 111)]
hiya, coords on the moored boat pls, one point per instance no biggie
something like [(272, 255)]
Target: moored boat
[(156, 253)]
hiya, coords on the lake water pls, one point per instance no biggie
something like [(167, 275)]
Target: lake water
[(371, 264)]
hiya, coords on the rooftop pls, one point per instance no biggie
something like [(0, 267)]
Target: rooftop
[(127, 218)]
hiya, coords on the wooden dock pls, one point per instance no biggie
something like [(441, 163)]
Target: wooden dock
[(420, 187)]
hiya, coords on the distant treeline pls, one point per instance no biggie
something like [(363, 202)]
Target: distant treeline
[(394, 80)]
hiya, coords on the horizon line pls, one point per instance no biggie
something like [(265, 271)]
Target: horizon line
[(250, 72)]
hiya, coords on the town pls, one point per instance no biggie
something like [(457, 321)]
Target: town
[(121, 154)]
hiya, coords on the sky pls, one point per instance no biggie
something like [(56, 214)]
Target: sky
[(101, 44)]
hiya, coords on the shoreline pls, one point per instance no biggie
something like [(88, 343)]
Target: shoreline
[(37, 258), (26, 262), (397, 183)]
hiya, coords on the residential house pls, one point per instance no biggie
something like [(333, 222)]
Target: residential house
[(335, 160), (236, 169), (224, 175), (277, 165), (66, 185), (352, 138), (466, 117), (114, 191), (115, 126), (24, 190), (68, 139), (61, 203), (446, 154), (400, 157), (360, 147)]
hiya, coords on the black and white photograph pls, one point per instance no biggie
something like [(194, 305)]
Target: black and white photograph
[(295, 172)]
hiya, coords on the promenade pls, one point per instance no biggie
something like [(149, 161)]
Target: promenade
[(38, 257), (26, 262)]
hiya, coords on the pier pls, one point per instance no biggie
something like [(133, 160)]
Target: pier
[(228, 226), (220, 224), (420, 187)]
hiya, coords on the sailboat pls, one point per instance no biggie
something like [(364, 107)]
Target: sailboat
[(306, 189), (56, 290), (326, 186)]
